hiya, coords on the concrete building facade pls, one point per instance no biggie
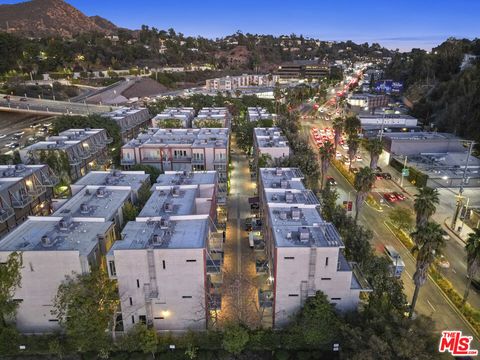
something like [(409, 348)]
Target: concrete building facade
[(184, 115), (230, 83), (219, 115), (130, 120), (270, 141)]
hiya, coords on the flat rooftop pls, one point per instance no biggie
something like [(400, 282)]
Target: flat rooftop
[(95, 202), (420, 136), (291, 196), (274, 177), (170, 202), (133, 179), (65, 139), (12, 174), (270, 137), (53, 233), (170, 178), (124, 112), (163, 234)]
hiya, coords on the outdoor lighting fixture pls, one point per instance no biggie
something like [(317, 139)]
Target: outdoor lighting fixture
[(165, 313), (445, 177), (270, 278)]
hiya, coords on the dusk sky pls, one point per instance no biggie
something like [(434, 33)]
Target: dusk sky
[(401, 24)]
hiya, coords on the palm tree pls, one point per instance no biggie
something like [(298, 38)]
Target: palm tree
[(352, 125), (327, 152), (374, 147), (363, 183), (353, 143), (424, 205), (429, 242), (473, 259), (338, 128)]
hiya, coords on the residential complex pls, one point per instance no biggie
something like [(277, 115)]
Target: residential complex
[(180, 150), (212, 117), (169, 259), (174, 118), (230, 83), (303, 69), (305, 253), (24, 190), (130, 120), (52, 248), (84, 149), (259, 114), (270, 141)]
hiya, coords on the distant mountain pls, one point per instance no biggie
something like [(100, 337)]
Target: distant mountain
[(38, 18)]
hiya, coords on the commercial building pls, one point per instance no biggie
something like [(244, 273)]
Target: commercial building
[(259, 114), (52, 248), (230, 83), (422, 143), (369, 101), (24, 190), (372, 124), (84, 149), (303, 69), (180, 150), (174, 116), (134, 180), (304, 251), (270, 141), (130, 120), (212, 117), (102, 203)]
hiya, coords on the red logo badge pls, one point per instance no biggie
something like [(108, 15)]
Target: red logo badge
[(457, 344)]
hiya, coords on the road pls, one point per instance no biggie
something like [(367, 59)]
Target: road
[(432, 301), (49, 107)]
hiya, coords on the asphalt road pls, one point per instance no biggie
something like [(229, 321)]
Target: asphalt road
[(432, 301)]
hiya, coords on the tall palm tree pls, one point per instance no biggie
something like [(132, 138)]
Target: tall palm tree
[(353, 143), (363, 183), (338, 128), (428, 242), (352, 125), (424, 204), (327, 152), (473, 259), (374, 147)]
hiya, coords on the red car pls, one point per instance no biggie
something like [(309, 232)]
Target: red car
[(399, 196), (390, 197)]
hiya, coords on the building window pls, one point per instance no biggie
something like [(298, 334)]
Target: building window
[(138, 283), (113, 270), (53, 320), (191, 260), (142, 319), (163, 264), (133, 319), (336, 299), (159, 318), (325, 278), (130, 300), (186, 297), (293, 295), (289, 257), (326, 261)]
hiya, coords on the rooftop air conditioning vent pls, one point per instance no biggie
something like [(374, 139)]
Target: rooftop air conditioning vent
[(296, 213), (101, 192), (304, 233), (283, 215), (84, 209), (168, 207), (47, 241), (289, 197)]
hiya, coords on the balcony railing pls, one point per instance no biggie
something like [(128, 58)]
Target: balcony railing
[(108, 140), (151, 159), (124, 161), (219, 161), (198, 161), (182, 158), (21, 202), (5, 214)]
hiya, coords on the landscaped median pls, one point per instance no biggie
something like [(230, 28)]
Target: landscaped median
[(351, 179), (471, 314)]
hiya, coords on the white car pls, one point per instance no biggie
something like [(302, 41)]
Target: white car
[(20, 133), (3, 136), (344, 146), (338, 154)]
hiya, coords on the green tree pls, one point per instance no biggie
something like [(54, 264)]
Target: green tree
[(473, 259), (428, 243), (424, 205), (338, 129), (150, 170), (170, 123), (327, 153), (85, 306), (264, 160), (353, 143), (10, 278), (235, 339), (363, 183), (402, 218), (374, 147), (352, 125), (130, 212), (329, 197)]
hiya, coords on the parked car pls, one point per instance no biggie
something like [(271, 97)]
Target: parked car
[(354, 170), (331, 181), (445, 235), (14, 145), (390, 197), (387, 176), (20, 133), (3, 136), (399, 196), (23, 99), (378, 169)]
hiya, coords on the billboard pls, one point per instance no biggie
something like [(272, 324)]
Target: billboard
[(389, 86)]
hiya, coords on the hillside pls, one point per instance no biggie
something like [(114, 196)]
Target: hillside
[(37, 18)]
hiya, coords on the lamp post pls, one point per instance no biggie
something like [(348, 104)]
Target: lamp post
[(404, 167), (53, 92)]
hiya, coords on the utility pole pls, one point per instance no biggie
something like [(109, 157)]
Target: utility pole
[(460, 191), (404, 167), (383, 126)]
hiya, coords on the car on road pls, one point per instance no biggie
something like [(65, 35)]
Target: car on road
[(331, 181), (386, 176), (354, 170), (445, 235), (3, 136), (443, 262), (397, 265), (23, 99), (338, 154), (398, 195), (14, 146), (344, 146), (390, 197), (20, 133)]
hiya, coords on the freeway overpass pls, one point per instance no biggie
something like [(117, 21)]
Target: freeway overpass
[(49, 107)]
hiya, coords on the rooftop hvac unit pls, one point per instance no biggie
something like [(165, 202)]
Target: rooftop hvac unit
[(47, 241), (283, 215), (304, 234), (284, 183), (64, 224), (20, 168), (176, 191), (164, 223), (168, 207), (101, 192), (279, 172), (288, 197), (289, 235), (84, 209), (296, 213), (9, 172)]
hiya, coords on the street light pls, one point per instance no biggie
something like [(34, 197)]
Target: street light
[(53, 93), (460, 191)]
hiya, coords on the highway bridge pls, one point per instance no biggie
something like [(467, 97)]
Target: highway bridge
[(49, 107)]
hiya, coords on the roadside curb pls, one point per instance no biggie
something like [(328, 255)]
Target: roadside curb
[(452, 230), (445, 296)]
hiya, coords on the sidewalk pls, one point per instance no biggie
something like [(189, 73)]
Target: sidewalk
[(464, 232)]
